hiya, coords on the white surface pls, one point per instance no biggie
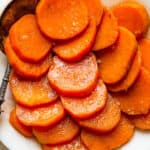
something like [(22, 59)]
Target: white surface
[(15, 141)]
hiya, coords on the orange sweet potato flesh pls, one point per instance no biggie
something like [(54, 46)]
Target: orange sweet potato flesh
[(133, 16), (63, 132), (76, 48), (24, 69), (83, 108), (56, 25), (41, 116), (116, 60), (141, 122), (95, 9), (144, 45), (27, 40), (131, 76), (92, 142), (105, 120), (136, 101), (31, 93), (107, 33), (76, 79), (114, 139), (75, 144), (24, 130)]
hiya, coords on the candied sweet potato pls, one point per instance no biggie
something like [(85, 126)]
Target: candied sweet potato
[(62, 19), (31, 93), (133, 16), (86, 107), (41, 116), (24, 69), (131, 76), (136, 100), (107, 33), (61, 133), (105, 120), (28, 41), (76, 79), (75, 49), (116, 60), (114, 139)]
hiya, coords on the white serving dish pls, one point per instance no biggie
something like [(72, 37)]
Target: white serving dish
[(15, 141)]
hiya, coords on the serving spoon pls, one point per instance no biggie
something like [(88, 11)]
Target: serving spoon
[(13, 11)]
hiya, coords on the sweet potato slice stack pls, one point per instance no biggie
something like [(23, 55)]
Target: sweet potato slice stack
[(112, 140), (25, 69), (86, 107), (136, 100), (76, 65), (75, 49), (115, 61), (104, 121), (131, 76)]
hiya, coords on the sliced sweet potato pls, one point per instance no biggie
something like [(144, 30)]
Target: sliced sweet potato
[(95, 9), (136, 100), (74, 79), (24, 69), (116, 60), (31, 93), (84, 108), (120, 135), (62, 19), (114, 139), (63, 132), (107, 33), (74, 49), (76, 144), (144, 46), (27, 40), (24, 130), (104, 121), (141, 122), (40, 116), (131, 76), (92, 141), (133, 16)]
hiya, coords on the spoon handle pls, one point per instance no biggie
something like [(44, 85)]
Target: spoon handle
[(4, 83)]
